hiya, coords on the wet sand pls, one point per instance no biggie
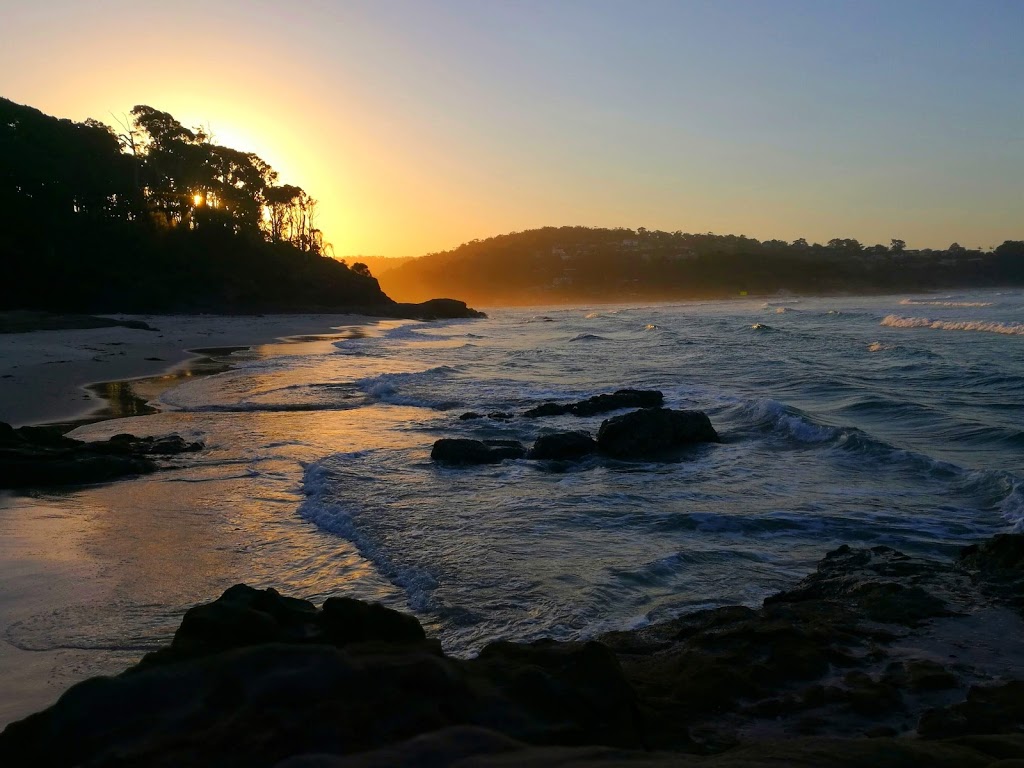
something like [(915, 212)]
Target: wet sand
[(78, 375)]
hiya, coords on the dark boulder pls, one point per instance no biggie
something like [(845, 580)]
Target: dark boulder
[(459, 450), (470, 415), (1003, 555), (547, 409), (432, 309), (345, 620), (652, 432), (44, 456), (623, 398), (563, 446)]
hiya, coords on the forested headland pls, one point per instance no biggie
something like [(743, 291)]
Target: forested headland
[(574, 264), (157, 217)]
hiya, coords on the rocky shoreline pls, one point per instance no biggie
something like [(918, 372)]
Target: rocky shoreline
[(876, 658)]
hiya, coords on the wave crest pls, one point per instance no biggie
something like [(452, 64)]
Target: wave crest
[(985, 326)]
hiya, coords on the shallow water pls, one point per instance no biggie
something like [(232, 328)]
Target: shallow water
[(892, 420)]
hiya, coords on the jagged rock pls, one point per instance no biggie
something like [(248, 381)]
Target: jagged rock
[(432, 309), (987, 709), (1003, 555), (563, 446), (470, 415), (547, 409), (168, 445), (652, 432), (458, 450), (345, 620), (858, 649), (623, 398), (44, 456), (302, 695), (469, 747)]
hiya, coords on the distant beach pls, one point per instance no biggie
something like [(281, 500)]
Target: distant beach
[(72, 374)]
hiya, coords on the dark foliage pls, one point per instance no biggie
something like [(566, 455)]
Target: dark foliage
[(158, 218)]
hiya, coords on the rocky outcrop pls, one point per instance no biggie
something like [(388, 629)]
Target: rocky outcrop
[(876, 658), (44, 456), (623, 398), (653, 432), (433, 309), (463, 451), (562, 446)]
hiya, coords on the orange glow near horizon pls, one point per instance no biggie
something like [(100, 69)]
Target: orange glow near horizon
[(418, 127)]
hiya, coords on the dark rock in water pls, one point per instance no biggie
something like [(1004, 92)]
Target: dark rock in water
[(458, 450), (623, 398), (433, 309), (496, 415), (167, 445), (652, 432), (563, 446), (44, 456), (547, 409)]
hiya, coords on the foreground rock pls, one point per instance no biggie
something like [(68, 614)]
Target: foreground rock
[(462, 451), (623, 398), (653, 432), (876, 658), (43, 456)]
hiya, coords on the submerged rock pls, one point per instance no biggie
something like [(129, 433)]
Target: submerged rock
[(623, 398), (563, 446), (44, 456), (459, 450), (652, 432)]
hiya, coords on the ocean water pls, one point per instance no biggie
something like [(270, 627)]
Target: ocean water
[(881, 420)]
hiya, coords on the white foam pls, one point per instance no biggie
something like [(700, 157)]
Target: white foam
[(334, 518), (921, 303), (986, 326)]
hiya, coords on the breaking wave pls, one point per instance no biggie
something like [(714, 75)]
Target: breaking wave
[(985, 326), (924, 303)]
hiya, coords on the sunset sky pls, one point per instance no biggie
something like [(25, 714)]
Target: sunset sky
[(420, 125)]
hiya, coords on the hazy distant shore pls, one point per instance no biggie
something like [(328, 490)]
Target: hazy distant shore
[(51, 376)]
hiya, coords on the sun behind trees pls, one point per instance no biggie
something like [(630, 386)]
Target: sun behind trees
[(188, 179), (156, 217)]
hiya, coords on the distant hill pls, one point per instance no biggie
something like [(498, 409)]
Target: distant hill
[(158, 218), (583, 264), (378, 265)]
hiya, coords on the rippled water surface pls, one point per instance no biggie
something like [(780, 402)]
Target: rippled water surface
[(895, 420)]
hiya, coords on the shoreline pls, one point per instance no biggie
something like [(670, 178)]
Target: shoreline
[(52, 559), (72, 377)]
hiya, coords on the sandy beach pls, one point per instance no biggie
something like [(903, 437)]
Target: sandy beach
[(61, 552), (45, 375)]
